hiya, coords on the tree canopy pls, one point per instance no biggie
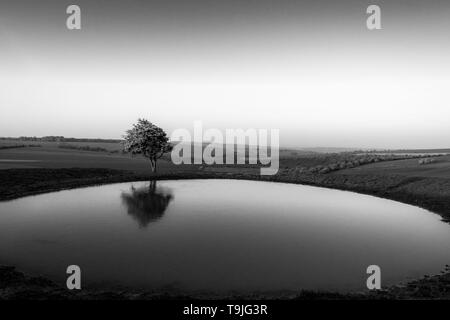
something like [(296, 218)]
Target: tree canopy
[(147, 139)]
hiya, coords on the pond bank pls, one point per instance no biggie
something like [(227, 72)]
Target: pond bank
[(424, 192), (16, 285)]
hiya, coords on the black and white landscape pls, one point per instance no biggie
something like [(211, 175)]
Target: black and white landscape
[(118, 179)]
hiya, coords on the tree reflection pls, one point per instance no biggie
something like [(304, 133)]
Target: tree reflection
[(147, 205)]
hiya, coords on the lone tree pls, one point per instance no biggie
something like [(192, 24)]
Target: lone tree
[(147, 139)]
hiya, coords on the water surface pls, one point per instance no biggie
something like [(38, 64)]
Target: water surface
[(221, 235)]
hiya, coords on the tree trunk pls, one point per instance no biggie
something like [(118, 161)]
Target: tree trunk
[(153, 164)]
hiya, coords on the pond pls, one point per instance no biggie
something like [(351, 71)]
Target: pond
[(221, 235)]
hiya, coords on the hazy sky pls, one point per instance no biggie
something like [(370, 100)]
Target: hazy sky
[(310, 69)]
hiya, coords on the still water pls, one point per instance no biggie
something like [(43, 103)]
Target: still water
[(221, 235)]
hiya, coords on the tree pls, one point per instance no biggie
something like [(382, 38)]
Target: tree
[(147, 139)]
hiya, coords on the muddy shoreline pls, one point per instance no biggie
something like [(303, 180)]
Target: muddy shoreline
[(16, 285)]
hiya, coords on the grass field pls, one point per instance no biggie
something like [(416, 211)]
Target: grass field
[(43, 154), (49, 155)]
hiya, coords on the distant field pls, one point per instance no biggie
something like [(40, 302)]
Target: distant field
[(109, 146), (409, 167), (61, 154), (103, 154), (44, 154), (50, 156)]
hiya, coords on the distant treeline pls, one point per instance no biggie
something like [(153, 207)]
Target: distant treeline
[(61, 139), (86, 148), (19, 146), (340, 161)]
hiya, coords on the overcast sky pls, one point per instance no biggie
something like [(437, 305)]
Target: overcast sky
[(312, 70)]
